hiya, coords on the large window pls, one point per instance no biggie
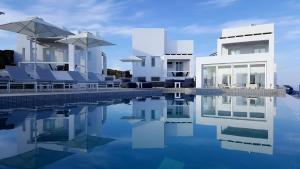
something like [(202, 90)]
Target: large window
[(240, 75), (209, 76), (224, 76), (257, 75)]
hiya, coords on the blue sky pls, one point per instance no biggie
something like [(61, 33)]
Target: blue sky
[(200, 20)]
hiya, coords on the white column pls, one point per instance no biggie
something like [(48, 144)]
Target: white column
[(231, 80), (267, 84), (217, 73), (165, 68), (71, 55), (248, 78)]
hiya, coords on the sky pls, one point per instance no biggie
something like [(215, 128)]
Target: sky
[(199, 20)]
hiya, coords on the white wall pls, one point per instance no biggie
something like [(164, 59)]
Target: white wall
[(180, 47), (148, 42)]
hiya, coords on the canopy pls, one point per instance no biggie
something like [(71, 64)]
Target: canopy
[(85, 40), (132, 59), (35, 28)]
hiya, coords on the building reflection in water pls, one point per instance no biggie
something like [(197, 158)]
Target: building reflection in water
[(56, 131), (244, 124), (153, 119)]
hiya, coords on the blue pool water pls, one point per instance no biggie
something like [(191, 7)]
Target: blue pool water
[(187, 132)]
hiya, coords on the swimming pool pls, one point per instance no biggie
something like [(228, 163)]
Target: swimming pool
[(160, 132)]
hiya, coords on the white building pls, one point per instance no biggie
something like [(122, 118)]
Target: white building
[(162, 58), (50, 54), (245, 58)]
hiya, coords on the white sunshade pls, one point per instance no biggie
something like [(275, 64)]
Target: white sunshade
[(132, 59), (35, 27), (85, 40)]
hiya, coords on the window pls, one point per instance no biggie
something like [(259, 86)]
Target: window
[(153, 61), (170, 65), (260, 50), (234, 51), (23, 53), (179, 66), (143, 62), (47, 55)]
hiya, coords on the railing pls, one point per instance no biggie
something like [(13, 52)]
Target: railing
[(178, 73)]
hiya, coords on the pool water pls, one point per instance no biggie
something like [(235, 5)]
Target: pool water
[(161, 132)]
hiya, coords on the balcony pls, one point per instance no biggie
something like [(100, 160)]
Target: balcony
[(178, 68)]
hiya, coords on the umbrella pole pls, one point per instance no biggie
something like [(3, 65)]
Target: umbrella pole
[(35, 55), (86, 62)]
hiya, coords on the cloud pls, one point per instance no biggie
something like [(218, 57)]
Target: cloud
[(105, 30), (288, 21), (90, 15), (198, 29), (218, 3), (211, 29), (293, 34)]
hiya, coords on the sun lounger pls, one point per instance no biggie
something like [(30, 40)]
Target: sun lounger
[(93, 77), (47, 76), (111, 82), (18, 76), (64, 76), (81, 80)]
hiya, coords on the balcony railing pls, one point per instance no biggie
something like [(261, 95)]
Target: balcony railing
[(178, 73)]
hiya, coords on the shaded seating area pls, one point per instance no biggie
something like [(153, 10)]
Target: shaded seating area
[(19, 78)]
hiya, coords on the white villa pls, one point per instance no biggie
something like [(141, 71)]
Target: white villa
[(244, 59), (51, 54), (162, 58)]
